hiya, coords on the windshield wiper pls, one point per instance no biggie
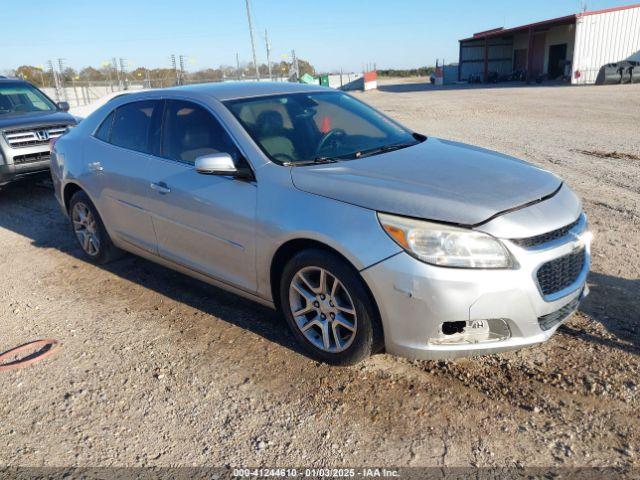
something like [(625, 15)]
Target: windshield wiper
[(315, 161), (382, 149)]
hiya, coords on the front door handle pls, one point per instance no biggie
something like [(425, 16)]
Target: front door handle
[(161, 188)]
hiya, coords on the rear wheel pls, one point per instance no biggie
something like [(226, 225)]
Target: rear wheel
[(89, 230), (328, 309)]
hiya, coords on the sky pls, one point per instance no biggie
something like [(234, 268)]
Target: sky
[(331, 34)]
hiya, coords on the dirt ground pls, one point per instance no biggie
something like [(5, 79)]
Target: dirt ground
[(159, 369)]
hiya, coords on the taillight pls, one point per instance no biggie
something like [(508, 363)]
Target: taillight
[(52, 143)]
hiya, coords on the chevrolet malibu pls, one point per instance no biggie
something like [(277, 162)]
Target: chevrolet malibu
[(368, 236)]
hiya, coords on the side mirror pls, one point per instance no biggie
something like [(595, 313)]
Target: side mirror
[(64, 106), (216, 164)]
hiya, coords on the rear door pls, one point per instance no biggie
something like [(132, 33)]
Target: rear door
[(120, 161), (204, 222)]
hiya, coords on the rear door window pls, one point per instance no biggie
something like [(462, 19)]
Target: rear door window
[(132, 125)]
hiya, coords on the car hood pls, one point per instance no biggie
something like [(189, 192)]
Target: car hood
[(435, 180), (34, 118)]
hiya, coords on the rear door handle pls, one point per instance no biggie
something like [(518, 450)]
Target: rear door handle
[(161, 188)]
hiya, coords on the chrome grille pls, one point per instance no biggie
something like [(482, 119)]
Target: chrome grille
[(545, 237), (31, 158), (27, 137), (561, 272), (549, 321)]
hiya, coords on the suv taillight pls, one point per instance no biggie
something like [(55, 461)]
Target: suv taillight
[(52, 143)]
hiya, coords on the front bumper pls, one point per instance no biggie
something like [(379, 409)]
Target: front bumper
[(415, 299), (10, 173)]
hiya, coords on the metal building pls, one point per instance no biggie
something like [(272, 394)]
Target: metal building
[(575, 46)]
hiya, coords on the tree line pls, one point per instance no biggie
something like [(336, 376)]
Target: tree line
[(157, 77)]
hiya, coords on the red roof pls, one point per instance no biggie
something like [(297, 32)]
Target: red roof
[(607, 10), (568, 19)]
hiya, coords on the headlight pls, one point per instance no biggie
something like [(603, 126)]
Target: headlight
[(445, 245)]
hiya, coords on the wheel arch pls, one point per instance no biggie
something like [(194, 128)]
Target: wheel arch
[(70, 189), (292, 247)]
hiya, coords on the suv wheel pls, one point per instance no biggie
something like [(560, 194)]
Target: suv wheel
[(328, 309), (89, 230)]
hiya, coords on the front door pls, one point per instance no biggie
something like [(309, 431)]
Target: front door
[(203, 222)]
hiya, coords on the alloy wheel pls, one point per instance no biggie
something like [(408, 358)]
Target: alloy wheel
[(86, 229), (323, 309)]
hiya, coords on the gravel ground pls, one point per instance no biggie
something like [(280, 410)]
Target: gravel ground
[(159, 369)]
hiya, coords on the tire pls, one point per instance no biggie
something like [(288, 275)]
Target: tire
[(90, 232), (338, 326)]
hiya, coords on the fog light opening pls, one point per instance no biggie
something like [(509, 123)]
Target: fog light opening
[(451, 328), (472, 331)]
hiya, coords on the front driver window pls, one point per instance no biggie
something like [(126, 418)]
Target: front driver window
[(191, 132)]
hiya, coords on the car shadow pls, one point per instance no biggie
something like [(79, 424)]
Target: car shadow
[(32, 211), (612, 302)]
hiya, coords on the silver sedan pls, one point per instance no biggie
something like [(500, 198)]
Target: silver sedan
[(368, 236)]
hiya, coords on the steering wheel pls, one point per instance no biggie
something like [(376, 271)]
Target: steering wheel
[(333, 135)]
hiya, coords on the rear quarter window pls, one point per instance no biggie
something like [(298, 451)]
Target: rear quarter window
[(104, 130)]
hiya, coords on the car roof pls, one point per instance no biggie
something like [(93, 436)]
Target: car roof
[(234, 90), (11, 80)]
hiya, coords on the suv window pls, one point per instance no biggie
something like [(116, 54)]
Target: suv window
[(191, 132), (132, 125), (23, 98)]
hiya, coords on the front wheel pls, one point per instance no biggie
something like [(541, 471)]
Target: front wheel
[(89, 230), (328, 309)]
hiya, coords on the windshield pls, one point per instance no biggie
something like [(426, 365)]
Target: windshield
[(22, 98), (320, 126)]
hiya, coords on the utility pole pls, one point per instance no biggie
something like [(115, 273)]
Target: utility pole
[(294, 64), (175, 68), (123, 73), (61, 79), (253, 43), (114, 62), (266, 41), (182, 76), (56, 81), (237, 66), (41, 71)]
